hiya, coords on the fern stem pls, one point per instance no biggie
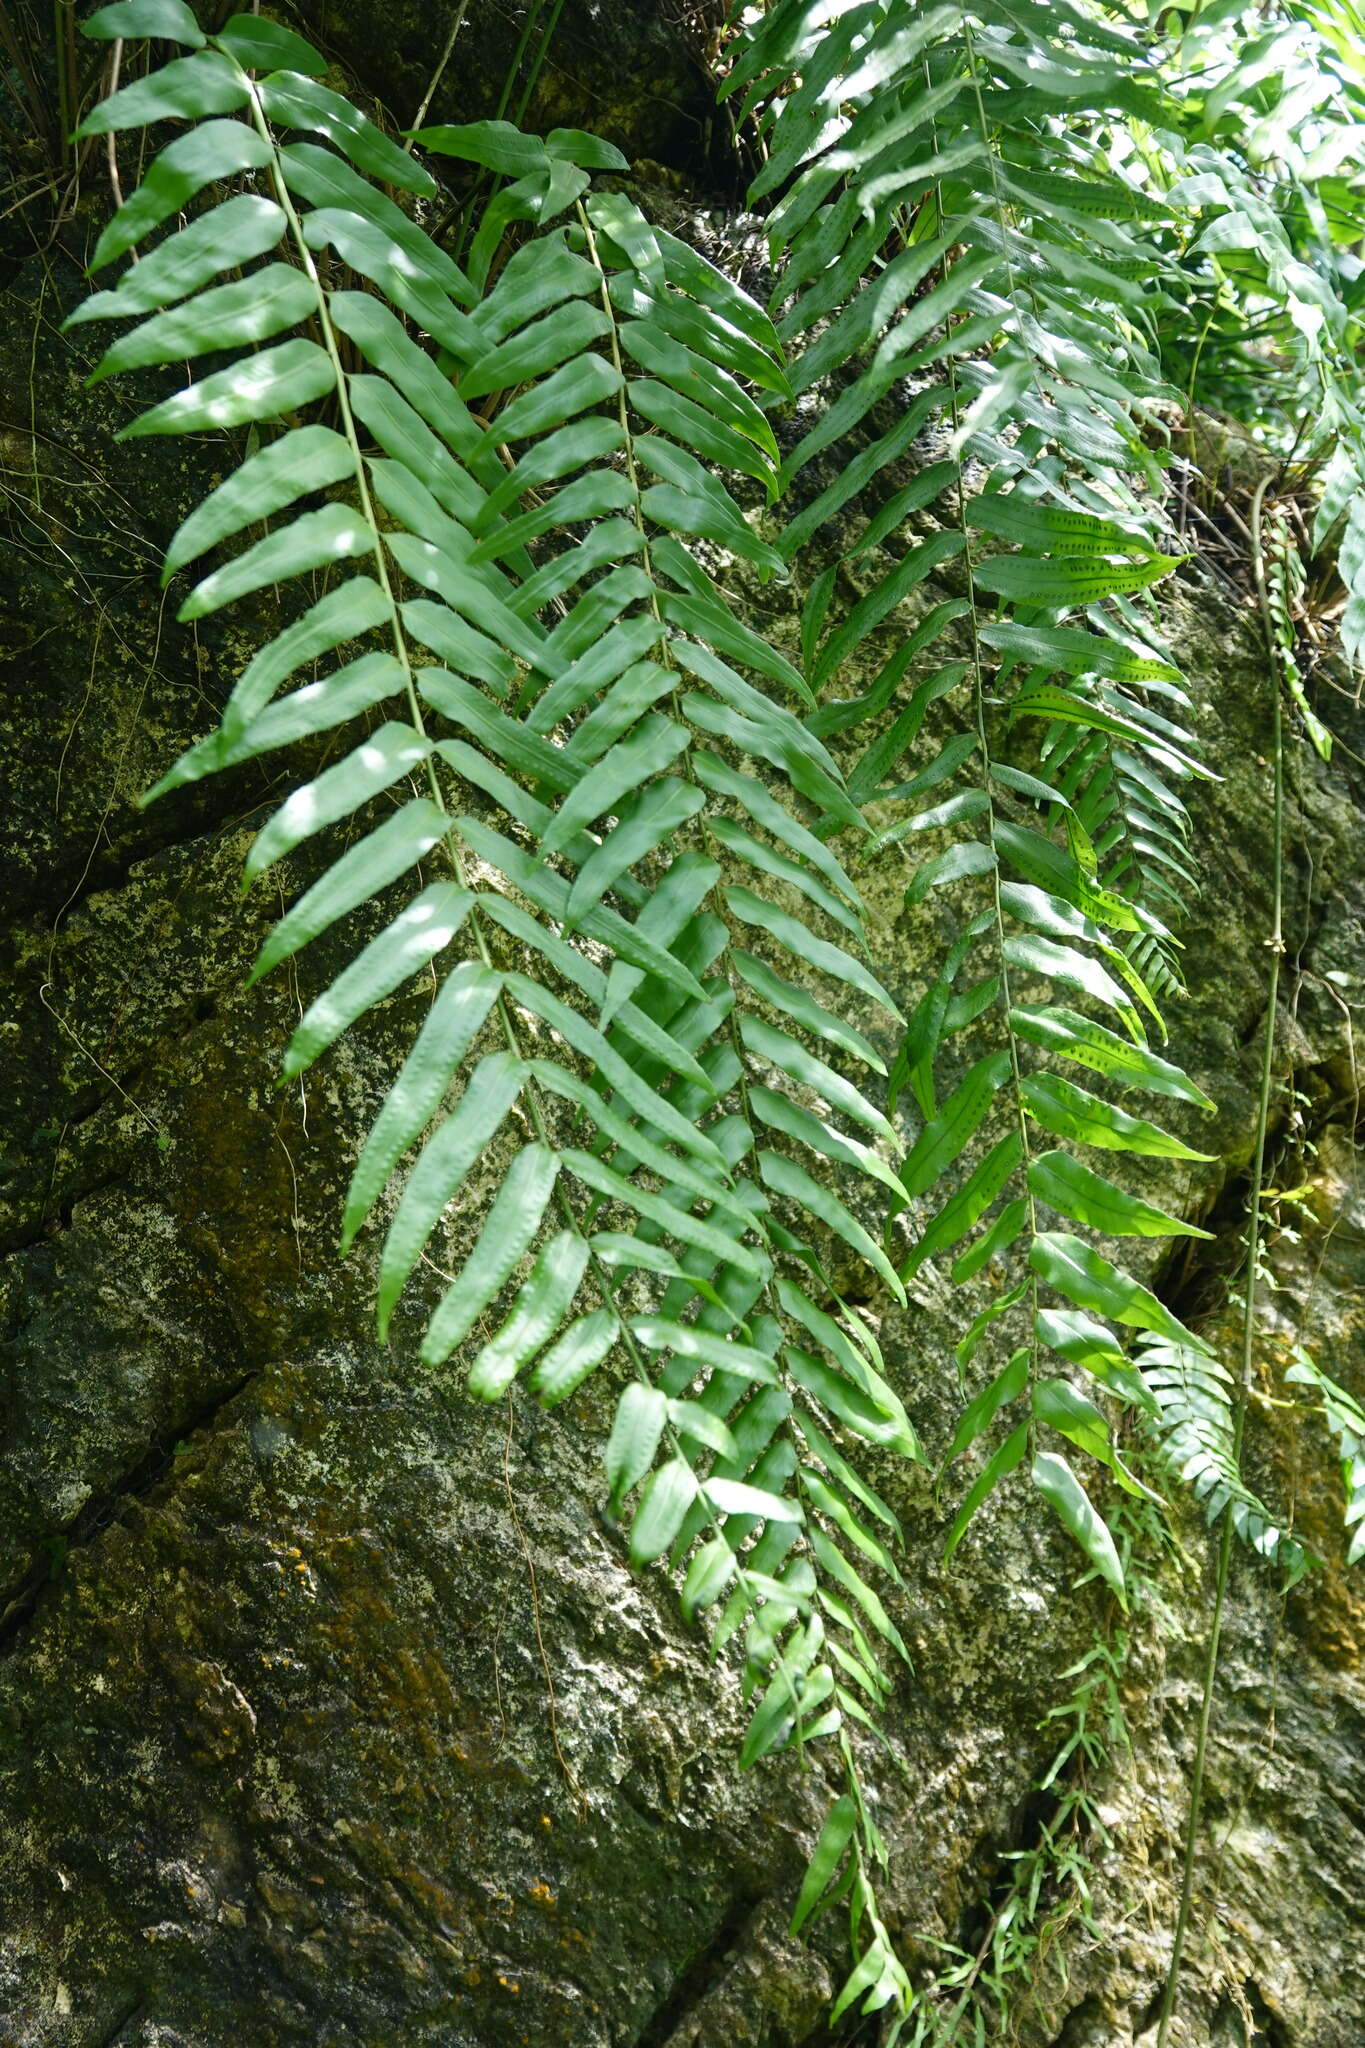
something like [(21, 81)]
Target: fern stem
[(632, 469), (979, 709), (975, 76), (510, 1033), (1276, 945), (531, 1095)]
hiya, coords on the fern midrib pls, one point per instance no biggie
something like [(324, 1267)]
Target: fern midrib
[(713, 848), (531, 1093), (450, 842), (1016, 1076)]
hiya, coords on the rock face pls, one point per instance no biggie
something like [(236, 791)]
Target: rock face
[(330, 1712)]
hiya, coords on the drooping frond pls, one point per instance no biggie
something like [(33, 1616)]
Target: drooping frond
[(918, 233), (1196, 1427), (555, 734)]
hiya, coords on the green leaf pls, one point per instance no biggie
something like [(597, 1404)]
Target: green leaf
[(186, 89), (709, 1573), (384, 342), (508, 1232), (714, 626), (574, 1357), (299, 462), (969, 1204), (830, 1503), (641, 1414), (692, 1419), (1073, 969), (696, 428), (919, 561), (169, 20), (373, 249), (363, 870), (458, 1143), (781, 1114), (791, 1058), (416, 935), (263, 387), (353, 609), (1070, 1112), (1088, 1344), (540, 1307), (941, 1141), (786, 1178), (550, 892), (647, 821), (998, 1238), (1052, 528), (260, 45), (315, 540), (1073, 1190), (494, 145), (589, 381), (703, 381), (404, 435), (736, 1497), (1079, 1272), (967, 1346), (802, 943), (378, 762), (794, 1002), (349, 691), (706, 1347), (835, 1836), (1074, 652), (211, 152), (291, 100), (689, 271), (231, 235), (546, 343), (700, 507), (706, 332), (876, 1415), (649, 750), (983, 1408), (1039, 861), (596, 1174), (452, 1024), (833, 1561), (1058, 1404), (839, 1468), (959, 862), (744, 846), (1063, 1492), (1076, 1038), (664, 1501), (1002, 1462)]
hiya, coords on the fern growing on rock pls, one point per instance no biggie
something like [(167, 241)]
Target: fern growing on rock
[(549, 702), (608, 808), (918, 226)]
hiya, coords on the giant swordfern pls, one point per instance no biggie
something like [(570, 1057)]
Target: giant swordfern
[(916, 222), (542, 688)]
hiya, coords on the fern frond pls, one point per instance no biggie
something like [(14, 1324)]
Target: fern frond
[(542, 689), (914, 235), (1345, 1418), (1196, 1429)]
